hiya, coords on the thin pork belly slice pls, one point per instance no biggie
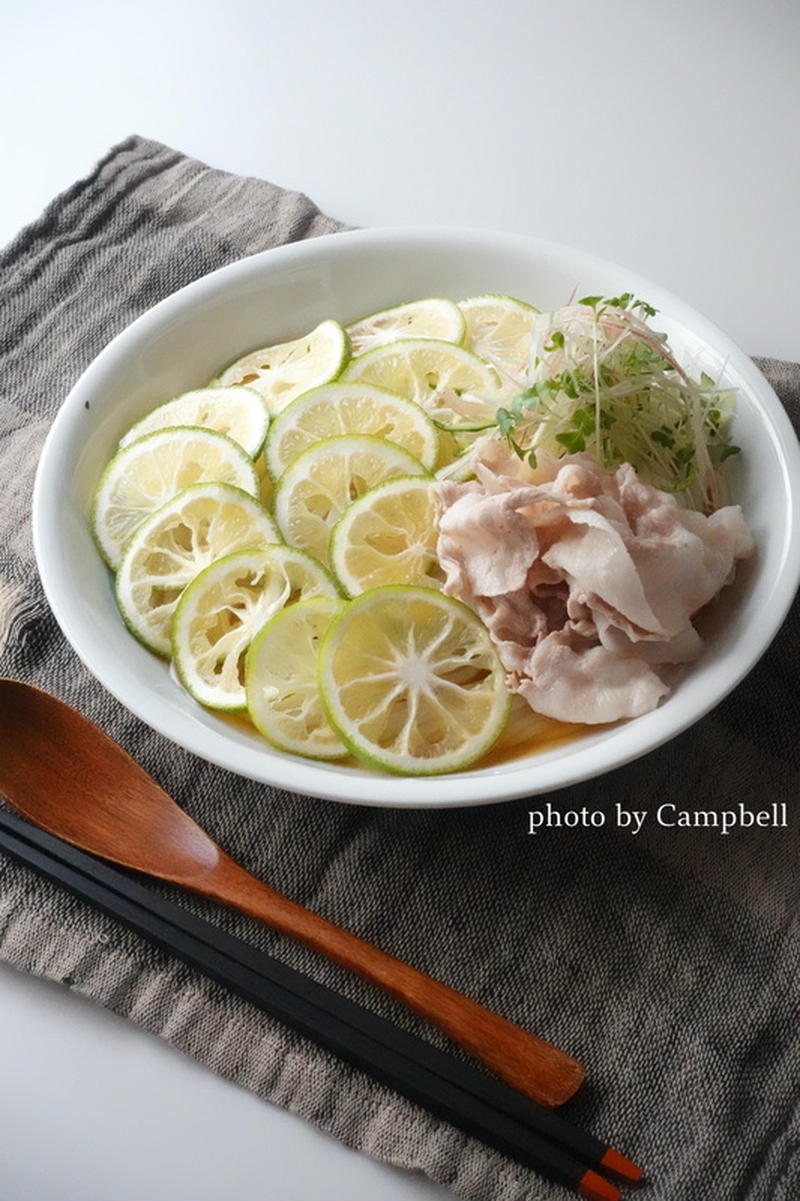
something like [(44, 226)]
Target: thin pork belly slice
[(516, 623), (594, 557), (498, 469), (682, 648), (518, 620), (586, 580), (571, 680), (683, 558), (485, 539)]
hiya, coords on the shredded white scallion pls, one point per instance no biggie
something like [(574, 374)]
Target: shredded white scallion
[(601, 380)]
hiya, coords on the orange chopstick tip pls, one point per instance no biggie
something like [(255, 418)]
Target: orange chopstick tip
[(597, 1187), (622, 1166)]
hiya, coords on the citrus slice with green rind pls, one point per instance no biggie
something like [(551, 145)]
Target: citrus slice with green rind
[(411, 682), (455, 459), (455, 387), (238, 412), (499, 328), (433, 317), (319, 484), (349, 408), (266, 486), (147, 472), (282, 372), (174, 544), (222, 609), (283, 697), (388, 536)]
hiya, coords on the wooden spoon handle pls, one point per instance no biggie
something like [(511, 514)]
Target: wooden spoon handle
[(527, 1063)]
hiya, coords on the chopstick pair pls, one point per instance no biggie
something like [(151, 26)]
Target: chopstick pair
[(479, 1104)]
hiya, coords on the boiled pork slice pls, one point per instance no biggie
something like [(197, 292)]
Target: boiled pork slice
[(572, 680), (587, 580)]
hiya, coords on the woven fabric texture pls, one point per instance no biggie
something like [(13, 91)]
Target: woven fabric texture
[(669, 963)]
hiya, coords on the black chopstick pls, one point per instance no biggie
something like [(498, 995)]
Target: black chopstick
[(476, 1103)]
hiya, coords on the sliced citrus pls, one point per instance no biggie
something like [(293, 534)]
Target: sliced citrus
[(388, 536), (411, 682), (224, 607), (280, 373), (319, 484), (455, 461), (146, 473), (454, 386), (431, 318), (349, 408), (499, 329), (266, 486), (281, 673), (174, 544), (238, 412)]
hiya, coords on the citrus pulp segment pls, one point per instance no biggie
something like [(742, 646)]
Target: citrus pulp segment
[(456, 388), (434, 317), (282, 372), (349, 408), (319, 484), (411, 681), (174, 544), (281, 673), (147, 472), (238, 412), (499, 328), (224, 607), (388, 536)]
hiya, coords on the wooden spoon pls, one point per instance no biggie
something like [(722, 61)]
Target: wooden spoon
[(69, 778)]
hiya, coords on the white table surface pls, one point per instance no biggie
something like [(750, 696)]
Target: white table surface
[(661, 136)]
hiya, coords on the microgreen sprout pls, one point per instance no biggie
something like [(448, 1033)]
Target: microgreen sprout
[(602, 381)]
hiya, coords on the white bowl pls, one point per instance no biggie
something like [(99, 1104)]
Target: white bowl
[(281, 293)]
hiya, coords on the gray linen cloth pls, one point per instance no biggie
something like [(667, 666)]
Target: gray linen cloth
[(668, 962)]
